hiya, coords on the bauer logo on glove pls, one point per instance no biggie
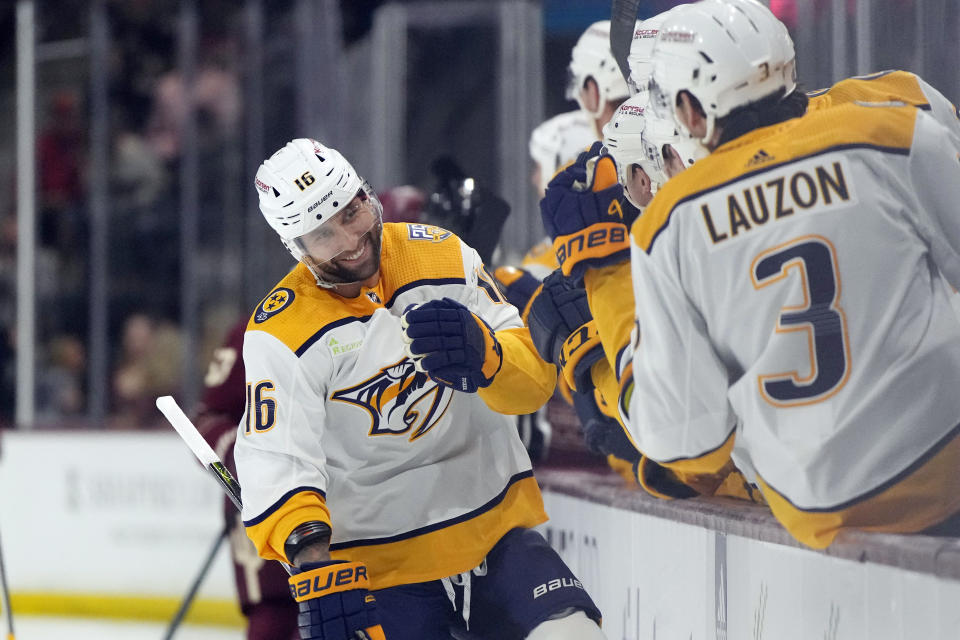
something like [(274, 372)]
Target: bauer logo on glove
[(582, 212), (334, 602), (452, 345)]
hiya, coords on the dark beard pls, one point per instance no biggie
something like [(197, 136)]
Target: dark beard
[(335, 273)]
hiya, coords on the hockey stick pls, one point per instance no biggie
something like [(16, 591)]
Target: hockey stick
[(623, 18), (205, 454), (7, 611), (192, 592), (209, 459)]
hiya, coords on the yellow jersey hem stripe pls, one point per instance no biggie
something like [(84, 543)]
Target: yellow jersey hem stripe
[(450, 550), (708, 458), (338, 546), (917, 464)]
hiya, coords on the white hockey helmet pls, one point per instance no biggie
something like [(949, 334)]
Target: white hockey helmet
[(591, 58), (641, 52), (314, 199), (726, 53), (637, 136), (557, 141), (623, 139)]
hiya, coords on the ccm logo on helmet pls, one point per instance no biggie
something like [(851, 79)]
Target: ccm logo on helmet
[(632, 109), (553, 585)]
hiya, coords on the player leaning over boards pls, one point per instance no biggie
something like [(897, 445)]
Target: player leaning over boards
[(789, 292), (375, 455), (578, 206)]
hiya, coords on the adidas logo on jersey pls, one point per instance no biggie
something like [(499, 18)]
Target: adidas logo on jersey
[(760, 157)]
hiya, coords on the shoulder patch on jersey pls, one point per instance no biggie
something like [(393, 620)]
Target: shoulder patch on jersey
[(275, 302), (417, 231)]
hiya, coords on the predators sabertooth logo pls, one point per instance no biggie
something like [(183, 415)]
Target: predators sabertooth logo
[(399, 400)]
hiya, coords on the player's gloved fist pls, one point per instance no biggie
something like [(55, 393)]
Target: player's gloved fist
[(583, 213), (563, 331), (335, 603), (456, 348), (601, 433), (518, 286)]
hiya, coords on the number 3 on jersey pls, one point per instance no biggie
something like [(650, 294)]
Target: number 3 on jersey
[(820, 315)]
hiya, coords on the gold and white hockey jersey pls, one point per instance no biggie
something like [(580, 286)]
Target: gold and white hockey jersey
[(889, 86), (792, 314), (416, 480)]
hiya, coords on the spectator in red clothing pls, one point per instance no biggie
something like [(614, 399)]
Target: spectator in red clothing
[(60, 152), (261, 586)]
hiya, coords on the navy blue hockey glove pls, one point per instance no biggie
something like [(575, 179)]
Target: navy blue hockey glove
[(456, 348), (335, 602), (601, 433), (563, 330), (583, 213)]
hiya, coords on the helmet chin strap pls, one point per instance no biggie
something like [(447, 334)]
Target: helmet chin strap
[(711, 127)]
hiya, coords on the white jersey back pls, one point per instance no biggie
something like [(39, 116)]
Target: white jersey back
[(792, 310)]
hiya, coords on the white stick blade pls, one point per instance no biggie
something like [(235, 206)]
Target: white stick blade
[(188, 432)]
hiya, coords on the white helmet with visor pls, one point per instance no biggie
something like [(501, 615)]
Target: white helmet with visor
[(726, 53), (637, 136), (327, 216)]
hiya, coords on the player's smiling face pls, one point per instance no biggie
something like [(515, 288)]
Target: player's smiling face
[(347, 247)]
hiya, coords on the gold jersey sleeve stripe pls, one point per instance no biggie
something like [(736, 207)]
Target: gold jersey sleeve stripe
[(270, 530)]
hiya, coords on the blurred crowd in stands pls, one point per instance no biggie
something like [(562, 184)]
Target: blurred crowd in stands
[(147, 107)]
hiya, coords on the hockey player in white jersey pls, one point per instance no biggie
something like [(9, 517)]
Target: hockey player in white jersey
[(789, 299), (374, 454)]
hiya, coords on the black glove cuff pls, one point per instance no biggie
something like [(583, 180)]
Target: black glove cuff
[(305, 535)]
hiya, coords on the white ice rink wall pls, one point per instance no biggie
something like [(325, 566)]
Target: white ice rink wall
[(712, 570), (121, 522), (109, 524)]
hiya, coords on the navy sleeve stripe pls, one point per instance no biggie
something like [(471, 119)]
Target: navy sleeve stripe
[(279, 503), (325, 329), (426, 282)]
